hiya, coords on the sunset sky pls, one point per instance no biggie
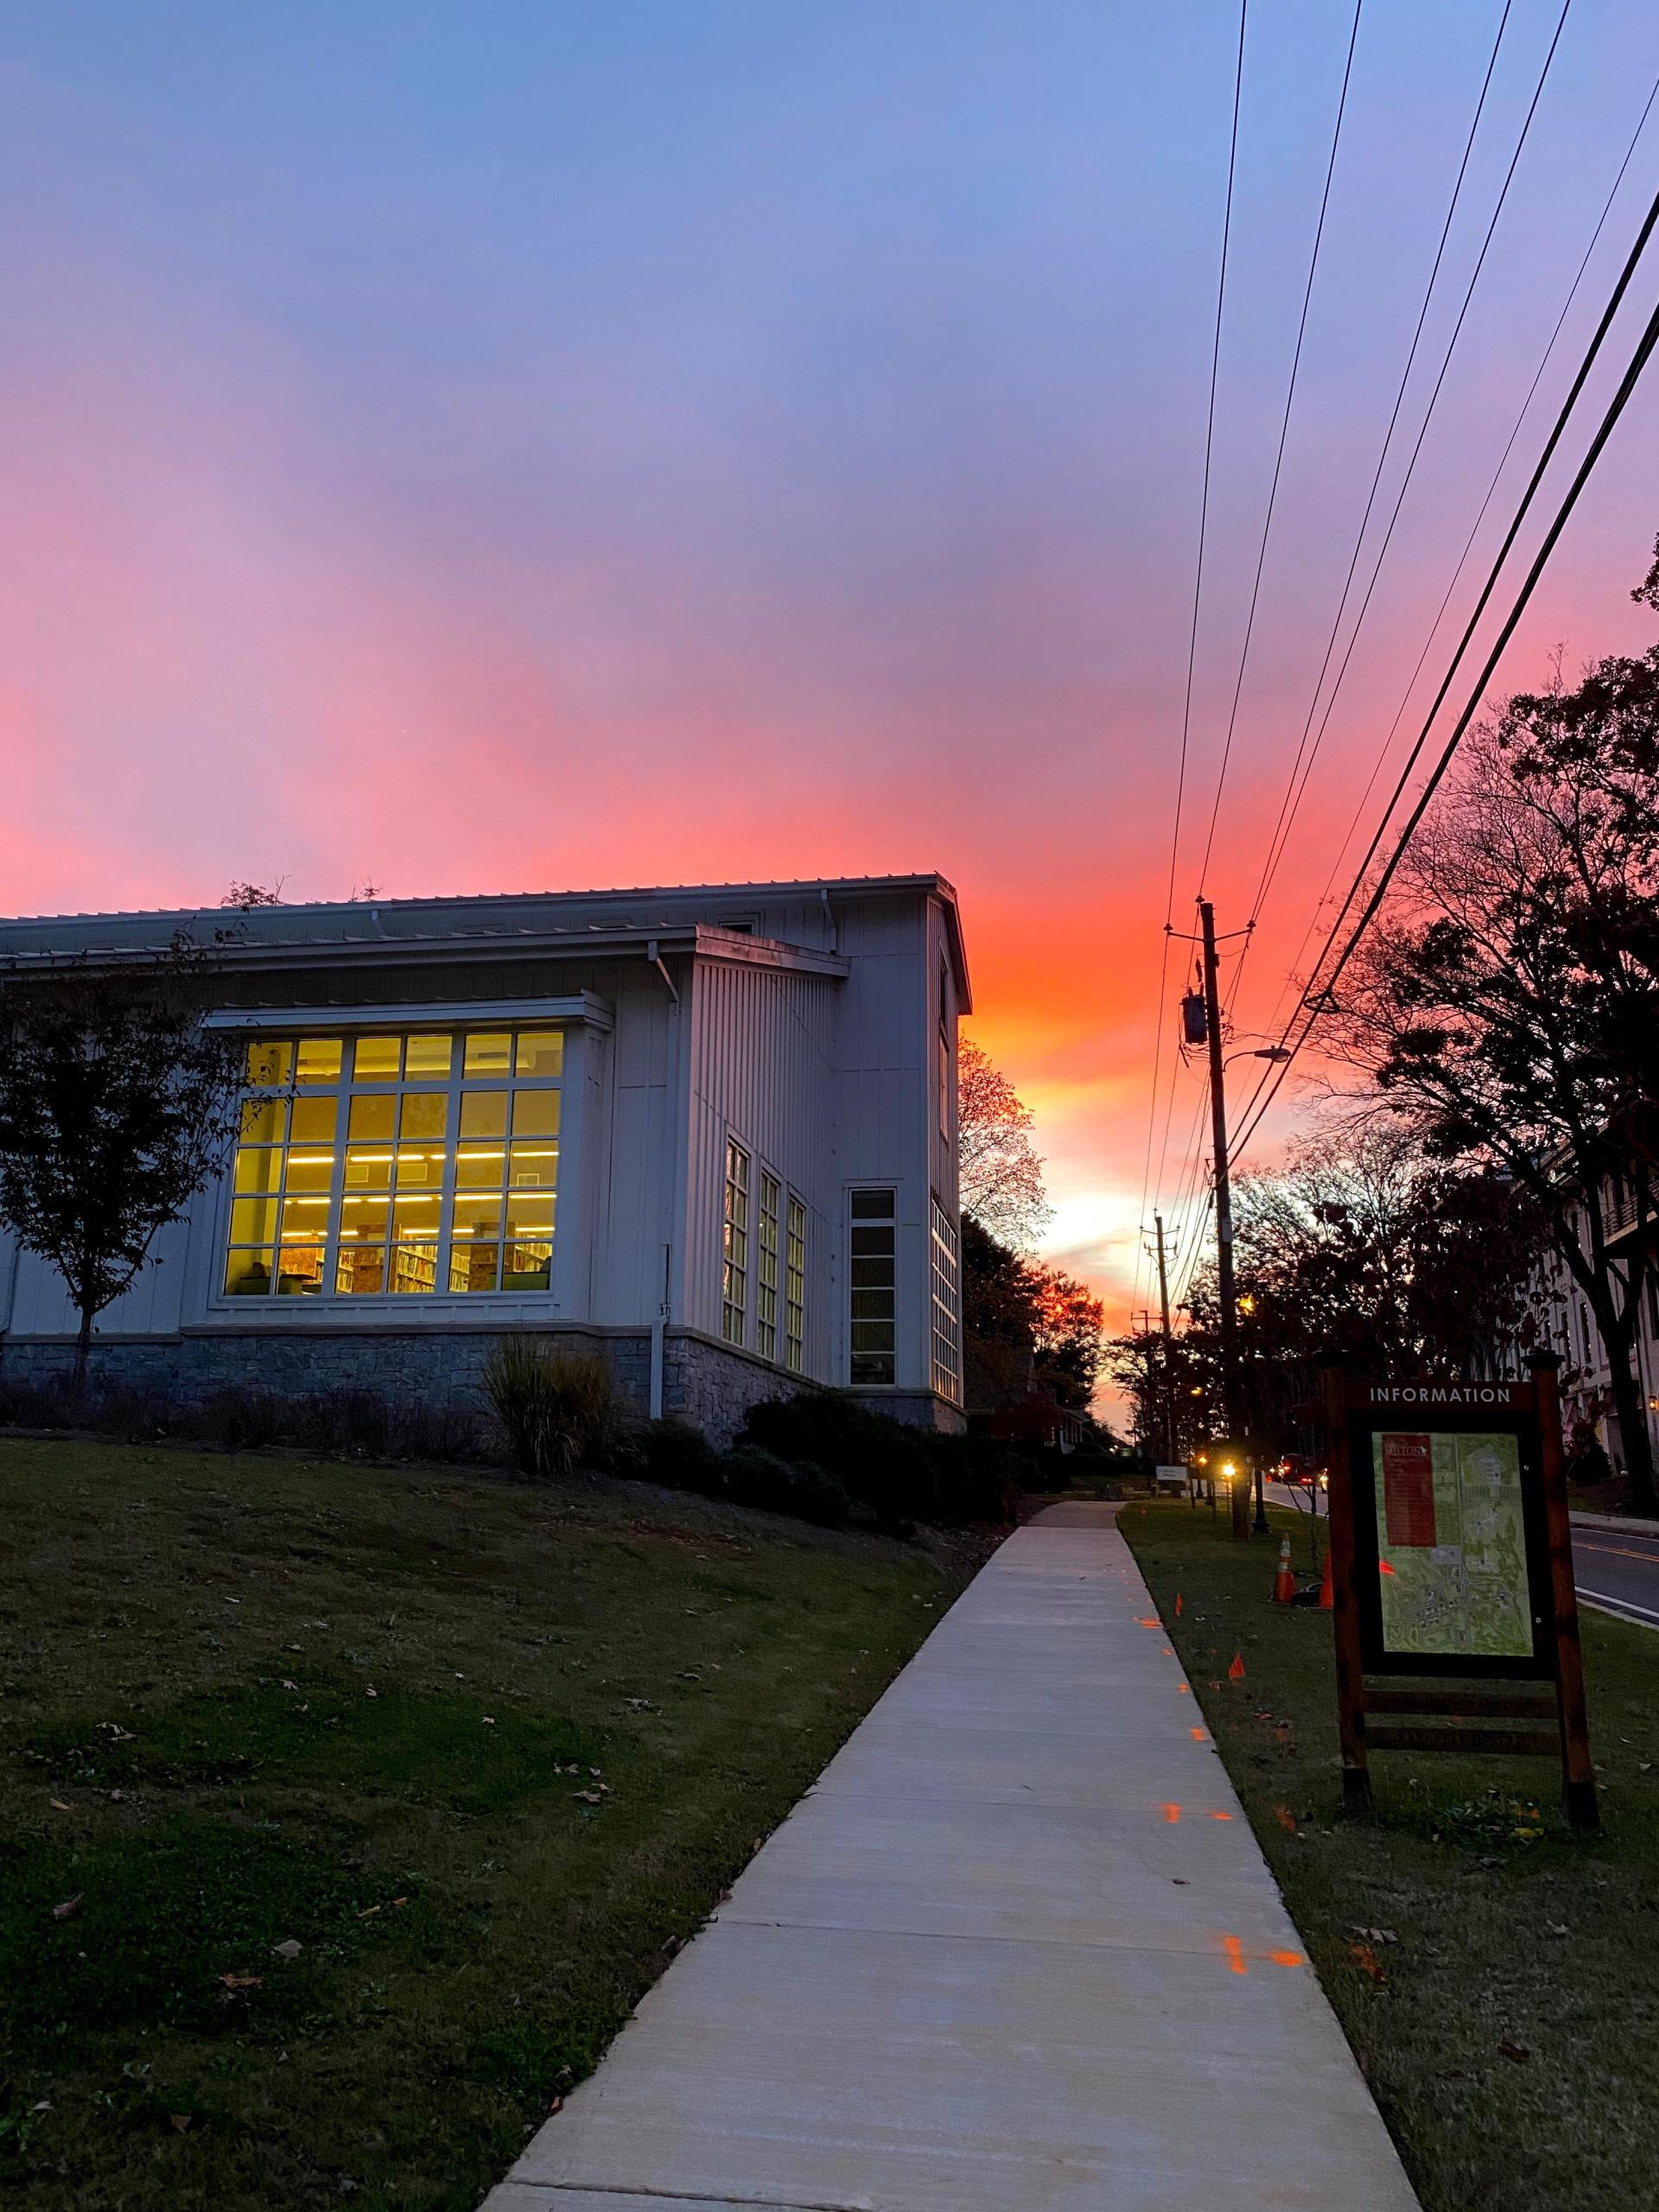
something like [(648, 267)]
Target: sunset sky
[(534, 446)]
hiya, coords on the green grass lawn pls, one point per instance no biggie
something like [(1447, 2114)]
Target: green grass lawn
[(1495, 1974), (485, 1754)]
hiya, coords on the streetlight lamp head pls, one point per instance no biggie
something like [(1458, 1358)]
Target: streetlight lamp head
[(1272, 1052)]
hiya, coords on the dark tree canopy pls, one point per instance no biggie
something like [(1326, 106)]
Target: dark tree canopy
[(1506, 1003)]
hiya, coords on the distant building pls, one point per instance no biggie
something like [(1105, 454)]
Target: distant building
[(709, 1133), (1571, 1330)]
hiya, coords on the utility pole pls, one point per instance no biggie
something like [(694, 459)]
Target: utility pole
[(1169, 1371), (1225, 1223)]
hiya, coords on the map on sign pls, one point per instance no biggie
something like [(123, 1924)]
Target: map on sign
[(1451, 1547)]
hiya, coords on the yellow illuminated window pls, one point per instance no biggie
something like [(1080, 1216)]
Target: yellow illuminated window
[(397, 1166)]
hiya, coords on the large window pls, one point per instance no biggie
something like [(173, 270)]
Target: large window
[(410, 1164), (875, 1261), (734, 1262), (765, 1274), (795, 1288), (947, 1306)]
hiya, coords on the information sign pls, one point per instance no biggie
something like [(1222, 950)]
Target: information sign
[(1451, 1556)]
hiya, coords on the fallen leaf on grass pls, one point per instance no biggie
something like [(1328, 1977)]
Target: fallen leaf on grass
[(1518, 2051), (398, 1901), (1365, 1959), (368, 1912), (1286, 1818), (1558, 1927), (58, 1805), (241, 1980), (489, 1720), (290, 1950), (178, 2121), (1378, 1935), (68, 1908), (587, 1797)]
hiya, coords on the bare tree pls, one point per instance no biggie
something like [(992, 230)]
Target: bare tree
[(1001, 1170), (117, 1104)]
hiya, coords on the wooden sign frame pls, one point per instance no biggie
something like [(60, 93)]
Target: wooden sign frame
[(1539, 1709)]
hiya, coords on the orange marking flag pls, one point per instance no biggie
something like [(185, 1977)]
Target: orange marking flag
[(1178, 1604), (1235, 1672)]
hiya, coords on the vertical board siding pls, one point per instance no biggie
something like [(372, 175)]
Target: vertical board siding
[(764, 1070)]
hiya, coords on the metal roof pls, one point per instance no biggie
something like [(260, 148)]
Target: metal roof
[(547, 920)]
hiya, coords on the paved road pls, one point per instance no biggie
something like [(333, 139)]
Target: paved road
[(1618, 1571), (965, 1974)]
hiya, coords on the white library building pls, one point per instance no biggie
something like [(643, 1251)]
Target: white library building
[(706, 1133)]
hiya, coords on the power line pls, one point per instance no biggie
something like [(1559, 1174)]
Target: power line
[(1394, 417), (1197, 595), (1468, 546), (1284, 431), (1628, 383), (1591, 352), (1287, 818)]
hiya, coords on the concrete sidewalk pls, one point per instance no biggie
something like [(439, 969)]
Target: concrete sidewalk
[(1016, 1952)]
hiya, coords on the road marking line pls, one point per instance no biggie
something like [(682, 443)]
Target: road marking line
[(1621, 1608)]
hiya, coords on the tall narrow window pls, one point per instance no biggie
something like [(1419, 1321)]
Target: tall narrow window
[(392, 1166), (947, 1307), (795, 1289), (875, 1287), (735, 1268), (765, 1269)]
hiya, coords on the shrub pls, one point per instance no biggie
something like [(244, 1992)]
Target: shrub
[(238, 1420), (342, 1424), (133, 1416), (975, 1478), (754, 1477), (446, 1432), (38, 1405), (819, 1498), (679, 1456), (553, 1407), (882, 1464)]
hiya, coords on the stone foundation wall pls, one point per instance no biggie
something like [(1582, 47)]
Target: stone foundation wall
[(434, 1367), (916, 1408), (713, 1387), (709, 1385)]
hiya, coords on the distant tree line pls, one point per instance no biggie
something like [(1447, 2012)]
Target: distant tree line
[(1029, 1328)]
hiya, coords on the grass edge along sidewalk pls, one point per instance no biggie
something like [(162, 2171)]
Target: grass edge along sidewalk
[(1491, 1970), (345, 1810)]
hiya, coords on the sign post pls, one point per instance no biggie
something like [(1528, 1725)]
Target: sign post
[(1451, 1557)]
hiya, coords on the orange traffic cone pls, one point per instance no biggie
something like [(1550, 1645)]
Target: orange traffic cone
[(1327, 1595), (1284, 1583)]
